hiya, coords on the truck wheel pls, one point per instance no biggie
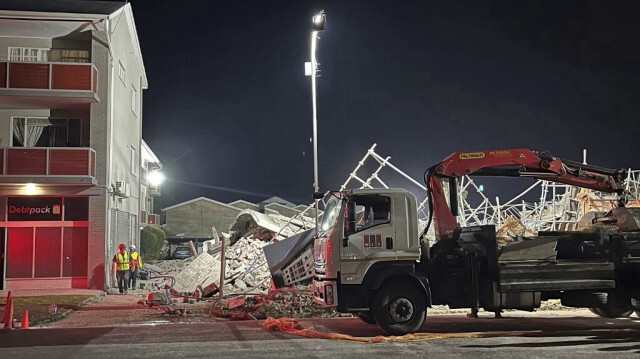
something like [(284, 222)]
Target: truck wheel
[(366, 317), (611, 312), (399, 308)]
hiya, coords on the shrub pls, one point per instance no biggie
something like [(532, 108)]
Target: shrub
[(160, 233), (152, 242)]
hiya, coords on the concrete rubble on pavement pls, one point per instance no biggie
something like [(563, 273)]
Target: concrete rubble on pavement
[(292, 302)]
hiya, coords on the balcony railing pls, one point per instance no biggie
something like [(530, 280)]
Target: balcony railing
[(47, 161), (66, 76)]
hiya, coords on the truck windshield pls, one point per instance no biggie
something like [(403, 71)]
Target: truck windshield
[(330, 217)]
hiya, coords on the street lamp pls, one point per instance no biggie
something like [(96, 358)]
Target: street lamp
[(318, 22), (156, 178)]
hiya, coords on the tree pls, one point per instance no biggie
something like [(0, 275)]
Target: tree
[(152, 240)]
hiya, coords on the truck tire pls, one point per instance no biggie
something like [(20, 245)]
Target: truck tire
[(399, 308), (366, 317), (607, 311)]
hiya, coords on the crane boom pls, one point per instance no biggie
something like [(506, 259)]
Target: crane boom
[(509, 163)]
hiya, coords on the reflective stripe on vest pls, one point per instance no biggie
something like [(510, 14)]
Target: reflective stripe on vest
[(123, 261), (134, 258)]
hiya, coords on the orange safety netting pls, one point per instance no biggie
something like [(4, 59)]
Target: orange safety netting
[(291, 326)]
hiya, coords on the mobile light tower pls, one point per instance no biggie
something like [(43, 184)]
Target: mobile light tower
[(311, 69)]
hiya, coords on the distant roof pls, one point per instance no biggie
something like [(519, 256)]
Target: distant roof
[(279, 200), (63, 6), (202, 199), (242, 201)]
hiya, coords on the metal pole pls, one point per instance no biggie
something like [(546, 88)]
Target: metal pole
[(314, 66), (223, 265)]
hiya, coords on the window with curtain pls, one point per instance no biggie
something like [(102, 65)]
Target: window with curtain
[(46, 132)]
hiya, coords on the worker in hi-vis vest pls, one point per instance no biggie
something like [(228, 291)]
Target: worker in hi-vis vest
[(120, 266), (136, 262)]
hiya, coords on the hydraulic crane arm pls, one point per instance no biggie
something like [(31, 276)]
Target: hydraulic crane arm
[(509, 163)]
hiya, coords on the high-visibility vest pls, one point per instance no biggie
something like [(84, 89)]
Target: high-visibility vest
[(122, 260), (136, 260)]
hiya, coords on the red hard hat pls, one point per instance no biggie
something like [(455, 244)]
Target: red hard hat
[(122, 246)]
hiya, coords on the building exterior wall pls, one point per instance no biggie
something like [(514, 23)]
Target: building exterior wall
[(196, 218), (99, 140)]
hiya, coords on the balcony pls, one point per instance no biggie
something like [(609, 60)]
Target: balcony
[(47, 84), (153, 219), (149, 218), (48, 166), (154, 190)]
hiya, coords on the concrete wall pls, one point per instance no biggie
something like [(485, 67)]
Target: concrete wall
[(123, 129), (196, 218), (127, 124), (98, 138)]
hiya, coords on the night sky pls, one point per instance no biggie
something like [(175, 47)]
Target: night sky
[(228, 110)]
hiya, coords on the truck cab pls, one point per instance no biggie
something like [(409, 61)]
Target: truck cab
[(368, 239)]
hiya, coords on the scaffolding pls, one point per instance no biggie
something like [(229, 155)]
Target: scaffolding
[(559, 207)]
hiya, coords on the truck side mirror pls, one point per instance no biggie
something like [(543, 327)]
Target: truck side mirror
[(350, 219)]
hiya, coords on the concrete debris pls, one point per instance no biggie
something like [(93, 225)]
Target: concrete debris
[(512, 228), (293, 302), (266, 226), (203, 270), (246, 271)]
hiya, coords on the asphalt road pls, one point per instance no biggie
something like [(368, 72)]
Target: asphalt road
[(452, 336)]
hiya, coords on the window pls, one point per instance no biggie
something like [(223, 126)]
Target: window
[(76, 209), (46, 132), (28, 54), (122, 73), (143, 196), (20, 252), (134, 100), (133, 161), (133, 228), (47, 253), (371, 210)]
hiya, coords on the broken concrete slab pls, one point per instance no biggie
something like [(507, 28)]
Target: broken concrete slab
[(202, 270)]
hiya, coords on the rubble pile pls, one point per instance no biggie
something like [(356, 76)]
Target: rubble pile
[(246, 271), (512, 228), (246, 267), (290, 302)]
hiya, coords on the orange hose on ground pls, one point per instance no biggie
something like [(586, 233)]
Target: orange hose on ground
[(291, 326)]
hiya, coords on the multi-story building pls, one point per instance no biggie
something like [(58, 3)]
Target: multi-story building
[(73, 166)]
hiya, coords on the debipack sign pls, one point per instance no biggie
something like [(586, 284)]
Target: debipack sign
[(34, 208)]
